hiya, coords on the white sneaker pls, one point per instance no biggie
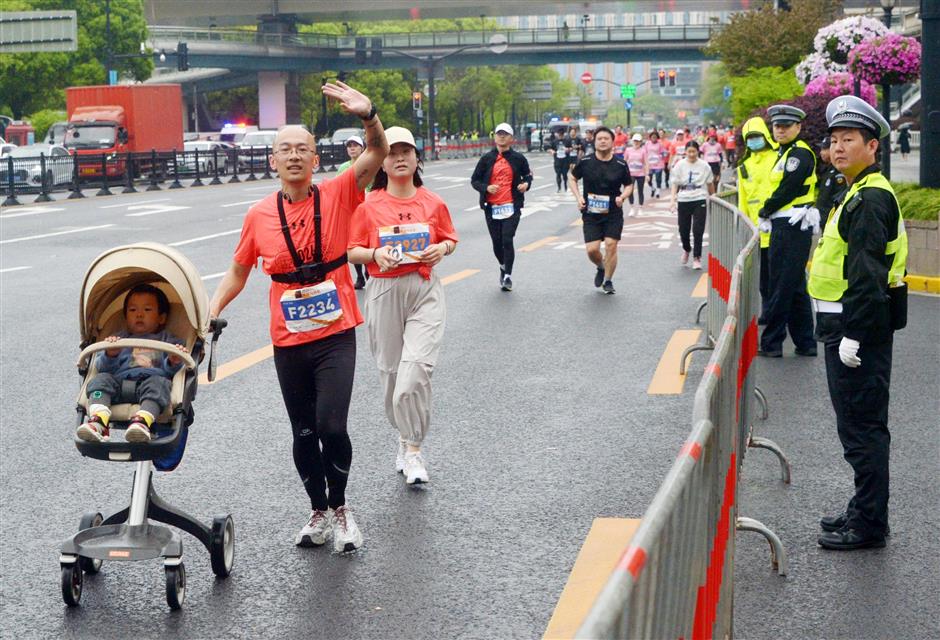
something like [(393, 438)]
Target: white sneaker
[(697, 264), (685, 258), (632, 212), (346, 534), (415, 469), (400, 457), (317, 530)]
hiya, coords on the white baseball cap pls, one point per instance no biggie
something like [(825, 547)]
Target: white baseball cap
[(637, 136), (504, 127), (355, 139), (399, 134)]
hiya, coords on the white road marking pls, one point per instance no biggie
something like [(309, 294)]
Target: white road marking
[(127, 204), (267, 187), (14, 269), (30, 211), (150, 209), (475, 207), (544, 186), (236, 204), (56, 233), (209, 237), (213, 276), (453, 186)]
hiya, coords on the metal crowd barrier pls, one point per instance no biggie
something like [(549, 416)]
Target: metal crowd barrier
[(676, 578)]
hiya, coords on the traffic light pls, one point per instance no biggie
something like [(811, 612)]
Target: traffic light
[(376, 51), (361, 44), (416, 100), (662, 78), (672, 77), (182, 56)]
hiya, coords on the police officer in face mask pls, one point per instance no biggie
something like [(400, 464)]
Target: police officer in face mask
[(857, 282), (831, 184)]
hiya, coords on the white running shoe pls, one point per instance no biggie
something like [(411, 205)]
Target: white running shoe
[(346, 534), (685, 258), (317, 530), (400, 457), (415, 469)]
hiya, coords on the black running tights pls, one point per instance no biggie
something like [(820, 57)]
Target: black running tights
[(502, 233)]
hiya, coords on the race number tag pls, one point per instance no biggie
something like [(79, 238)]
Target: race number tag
[(598, 204), (311, 308), (411, 238), (561, 151), (636, 166), (502, 211)]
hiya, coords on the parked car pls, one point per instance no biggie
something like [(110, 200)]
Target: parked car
[(340, 136), (55, 134), (186, 162), (27, 166), (254, 150), (5, 148)]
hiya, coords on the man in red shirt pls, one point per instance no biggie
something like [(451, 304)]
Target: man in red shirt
[(620, 141), (300, 233)]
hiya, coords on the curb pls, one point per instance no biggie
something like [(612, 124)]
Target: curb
[(923, 284)]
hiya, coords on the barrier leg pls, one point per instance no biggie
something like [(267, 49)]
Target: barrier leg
[(762, 401), (763, 443), (698, 313), (778, 555), (707, 346)]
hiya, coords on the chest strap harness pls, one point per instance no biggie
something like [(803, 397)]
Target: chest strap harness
[(311, 272)]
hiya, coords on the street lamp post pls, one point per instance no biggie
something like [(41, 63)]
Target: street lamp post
[(107, 38), (888, 6)]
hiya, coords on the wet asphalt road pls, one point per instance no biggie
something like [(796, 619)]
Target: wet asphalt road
[(541, 423)]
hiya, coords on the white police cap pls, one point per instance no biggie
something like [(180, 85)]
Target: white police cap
[(854, 113), (785, 113)]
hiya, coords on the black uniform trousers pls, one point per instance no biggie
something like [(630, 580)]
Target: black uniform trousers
[(860, 399), (788, 307), (764, 285)]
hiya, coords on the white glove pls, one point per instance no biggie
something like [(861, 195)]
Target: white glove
[(811, 220), (848, 352), (764, 226), (797, 216)]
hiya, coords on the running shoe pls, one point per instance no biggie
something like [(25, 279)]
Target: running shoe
[(507, 283), (360, 283), (317, 530), (697, 264), (346, 534), (400, 456), (684, 260), (93, 430), (599, 277), (416, 471), (137, 430), (609, 288)]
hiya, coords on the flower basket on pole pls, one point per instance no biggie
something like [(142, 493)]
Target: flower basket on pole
[(887, 59)]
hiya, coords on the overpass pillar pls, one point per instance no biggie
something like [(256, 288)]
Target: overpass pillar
[(278, 99)]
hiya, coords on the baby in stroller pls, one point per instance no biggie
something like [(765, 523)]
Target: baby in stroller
[(134, 374)]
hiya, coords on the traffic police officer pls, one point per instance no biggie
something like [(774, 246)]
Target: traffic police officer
[(754, 187), (857, 282), (831, 184), (790, 217)]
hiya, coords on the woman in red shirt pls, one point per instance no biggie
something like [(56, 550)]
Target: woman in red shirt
[(401, 232)]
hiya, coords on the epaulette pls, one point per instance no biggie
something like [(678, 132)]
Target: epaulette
[(854, 203)]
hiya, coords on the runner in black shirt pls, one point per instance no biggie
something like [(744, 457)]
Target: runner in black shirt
[(607, 183)]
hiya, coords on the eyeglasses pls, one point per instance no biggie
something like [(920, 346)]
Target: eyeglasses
[(301, 150)]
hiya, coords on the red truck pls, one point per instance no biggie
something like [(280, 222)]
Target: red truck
[(114, 120)]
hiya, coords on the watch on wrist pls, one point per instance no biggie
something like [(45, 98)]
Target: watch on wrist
[(372, 114)]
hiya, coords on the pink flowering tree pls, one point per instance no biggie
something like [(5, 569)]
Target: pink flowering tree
[(832, 46), (839, 84), (887, 59)]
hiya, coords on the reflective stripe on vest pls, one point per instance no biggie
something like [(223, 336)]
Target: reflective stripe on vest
[(827, 275), (776, 176)]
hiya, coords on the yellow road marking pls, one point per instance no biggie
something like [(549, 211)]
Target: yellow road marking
[(538, 243), (701, 289), (577, 223), (602, 549), (667, 380), (262, 354)]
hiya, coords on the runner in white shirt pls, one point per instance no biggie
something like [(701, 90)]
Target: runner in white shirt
[(691, 183)]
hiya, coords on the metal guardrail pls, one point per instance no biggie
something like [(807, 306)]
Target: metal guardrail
[(676, 578)]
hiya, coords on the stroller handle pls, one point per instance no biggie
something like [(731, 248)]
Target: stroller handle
[(124, 343)]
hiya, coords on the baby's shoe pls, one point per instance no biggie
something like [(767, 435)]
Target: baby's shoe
[(138, 430), (94, 430)]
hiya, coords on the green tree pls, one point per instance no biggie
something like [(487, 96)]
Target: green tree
[(42, 120), (762, 87), (771, 38), (711, 92)]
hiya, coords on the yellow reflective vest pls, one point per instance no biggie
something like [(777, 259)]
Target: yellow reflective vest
[(827, 275), (776, 176), (754, 174)]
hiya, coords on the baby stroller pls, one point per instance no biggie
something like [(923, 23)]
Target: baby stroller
[(128, 534)]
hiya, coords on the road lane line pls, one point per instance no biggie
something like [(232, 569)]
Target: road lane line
[(667, 380), (262, 354), (213, 276), (235, 204), (473, 208), (56, 233), (701, 289), (577, 223), (453, 186), (8, 269), (31, 211), (532, 246), (544, 186), (127, 204), (209, 237)]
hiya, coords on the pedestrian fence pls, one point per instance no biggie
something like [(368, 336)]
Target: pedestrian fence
[(676, 577)]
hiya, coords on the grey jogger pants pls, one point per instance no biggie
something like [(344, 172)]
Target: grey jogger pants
[(405, 317)]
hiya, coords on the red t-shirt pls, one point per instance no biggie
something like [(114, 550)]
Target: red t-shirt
[(501, 177), (383, 211), (620, 142), (262, 238)]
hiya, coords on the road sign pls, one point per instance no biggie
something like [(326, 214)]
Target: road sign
[(586, 77), (573, 102), (628, 103), (628, 91), (541, 90), (28, 31)]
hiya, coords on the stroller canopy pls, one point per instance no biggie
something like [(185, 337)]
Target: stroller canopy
[(119, 269)]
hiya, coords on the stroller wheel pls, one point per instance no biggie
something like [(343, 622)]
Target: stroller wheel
[(175, 585), (222, 545), (89, 520), (71, 583)]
